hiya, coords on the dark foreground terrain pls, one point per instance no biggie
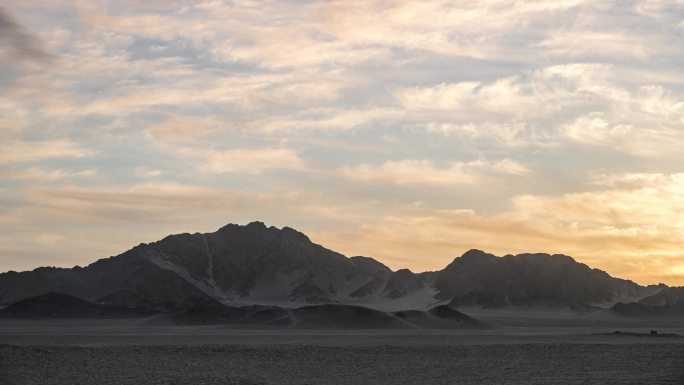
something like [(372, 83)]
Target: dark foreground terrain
[(32, 354)]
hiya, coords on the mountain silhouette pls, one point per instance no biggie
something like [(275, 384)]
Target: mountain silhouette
[(479, 278), (207, 275)]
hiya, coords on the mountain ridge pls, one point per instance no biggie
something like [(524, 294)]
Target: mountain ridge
[(257, 264)]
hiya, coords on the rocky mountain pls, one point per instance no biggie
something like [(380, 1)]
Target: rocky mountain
[(666, 303), (481, 279), (256, 265), (401, 283), (130, 280), (668, 296), (236, 264)]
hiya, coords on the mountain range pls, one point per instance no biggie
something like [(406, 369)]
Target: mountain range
[(261, 269)]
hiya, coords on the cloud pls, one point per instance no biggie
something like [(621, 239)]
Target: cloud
[(637, 201), (25, 151), (45, 175), (509, 96), (529, 97), (554, 106), (98, 209), (593, 128), (567, 109), (177, 128), (579, 44), (504, 166), (410, 172), (251, 161), (635, 179), (99, 220), (425, 172), (144, 172), (678, 270), (473, 29), (15, 117), (17, 43), (328, 119), (635, 231), (154, 201)]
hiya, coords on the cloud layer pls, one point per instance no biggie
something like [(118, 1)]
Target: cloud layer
[(406, 130)]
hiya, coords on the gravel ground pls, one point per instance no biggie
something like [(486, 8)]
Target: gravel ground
[(354, 360)]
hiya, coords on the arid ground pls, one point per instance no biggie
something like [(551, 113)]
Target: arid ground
[(36, 353)]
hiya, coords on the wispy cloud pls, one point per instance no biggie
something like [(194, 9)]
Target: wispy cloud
[(251, 161), (325, 115), (632, 231), (182, 129), (17, 43), (425, 172), (25, 151), (45, 175)]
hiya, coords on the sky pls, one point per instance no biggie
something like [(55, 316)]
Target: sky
[(408, 131)]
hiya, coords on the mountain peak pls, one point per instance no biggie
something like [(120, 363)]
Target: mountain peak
[(543, 257), (477, 254), (370, 264), (256, 225), (293, 234)]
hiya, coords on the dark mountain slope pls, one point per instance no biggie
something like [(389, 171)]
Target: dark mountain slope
[(638, 310), (667, 303), (57, 305), (668, 296), (401, 283), (482, 279), (256, 264), (439, 317), (235, 263), (129, 280), (266, 262), (344, 317), (329, 316)]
